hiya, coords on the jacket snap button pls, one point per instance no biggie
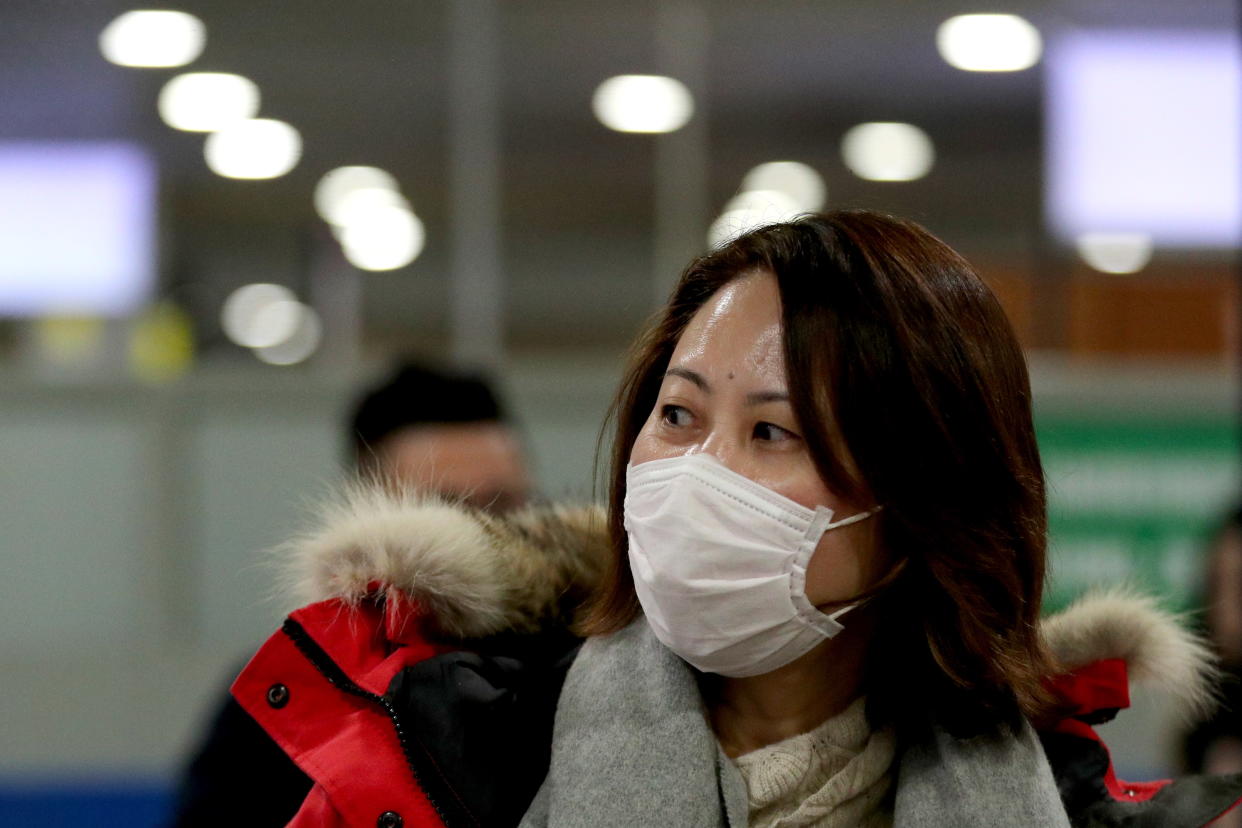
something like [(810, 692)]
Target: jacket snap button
[(389, 819), (278, 695)]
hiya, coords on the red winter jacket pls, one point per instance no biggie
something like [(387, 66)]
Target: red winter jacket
[(397, 726)]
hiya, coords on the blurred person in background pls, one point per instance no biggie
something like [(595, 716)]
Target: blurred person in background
[(1214, 744), (423, 431), (814, 595), (432, 431)]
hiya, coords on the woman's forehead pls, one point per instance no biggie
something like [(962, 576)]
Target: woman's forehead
[(737, 330)]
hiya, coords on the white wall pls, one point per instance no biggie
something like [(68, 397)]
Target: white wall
[(134, 523)]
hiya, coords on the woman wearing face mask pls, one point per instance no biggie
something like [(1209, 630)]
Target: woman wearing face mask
[(814, 596)]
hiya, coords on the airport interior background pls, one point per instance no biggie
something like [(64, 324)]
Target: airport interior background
[(218, 224)]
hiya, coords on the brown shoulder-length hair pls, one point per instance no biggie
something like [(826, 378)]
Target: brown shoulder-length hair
[(898, 352)]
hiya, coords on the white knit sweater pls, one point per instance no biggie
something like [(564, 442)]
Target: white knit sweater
[(836, 775)]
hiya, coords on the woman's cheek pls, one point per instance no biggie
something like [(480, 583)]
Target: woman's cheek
[(846, 562)]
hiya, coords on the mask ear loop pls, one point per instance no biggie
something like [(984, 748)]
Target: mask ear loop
[(851, 603), (867, 595), (861, 516)]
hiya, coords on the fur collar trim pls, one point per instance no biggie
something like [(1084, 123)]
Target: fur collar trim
[(1158, 649), (479, 575), (474, 573)]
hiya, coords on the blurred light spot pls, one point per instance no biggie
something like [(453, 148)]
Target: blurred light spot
[(1115, 252), (274, 323), (773, 205), (358, 206), (247, 321), (255, 148), (337, 185), (69, 340), (153, 39), (643, 103), (390, 238), (793, 178), (161, 343), (887, 151), (749, 210), (301, 343), (989, 42), (207, 101)]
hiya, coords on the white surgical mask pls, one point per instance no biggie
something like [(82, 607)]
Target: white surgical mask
[(719, 565)]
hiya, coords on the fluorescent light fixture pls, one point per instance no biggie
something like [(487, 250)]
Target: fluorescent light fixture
[(797, 180), (1115, 252), (256, 148), (989, 43), (887, 151), (207, 101), (301, 343), (153, 39), (260, 314), (358, 206), (643, 103), (390, 238), (77, 228), (334, 189), (748, 210), (1144, 135)]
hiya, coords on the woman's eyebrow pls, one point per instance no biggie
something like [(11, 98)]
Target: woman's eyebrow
[(760, 397), (753, 398), (693, 376)]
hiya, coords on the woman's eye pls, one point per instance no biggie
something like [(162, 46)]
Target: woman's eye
[(675, 415), (773, 433)]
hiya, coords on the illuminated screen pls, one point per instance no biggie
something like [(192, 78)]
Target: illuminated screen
[(1143, 134), (77, 228)]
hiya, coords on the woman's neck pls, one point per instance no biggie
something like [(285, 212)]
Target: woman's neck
[(754, 712)]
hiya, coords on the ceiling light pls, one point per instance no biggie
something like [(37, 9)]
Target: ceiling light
[(1115, 252), (207, 101), (358, 206), (643, 103), (795, 179), (749, 210), (772, 204), (247, 320), (390, 238), (989, 42), (887, 151), (336, 186), (303, 341), (153, 39), (255, 148)]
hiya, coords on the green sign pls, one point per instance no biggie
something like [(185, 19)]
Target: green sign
[(1134, 501)]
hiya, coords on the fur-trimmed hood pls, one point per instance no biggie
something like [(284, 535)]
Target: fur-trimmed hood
[(479, 575), (476, 574), (1160, 652)]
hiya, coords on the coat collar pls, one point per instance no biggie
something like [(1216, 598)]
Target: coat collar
[(474, 574), (471, 574)]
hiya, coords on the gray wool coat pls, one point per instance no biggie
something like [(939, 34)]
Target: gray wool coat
[(632, 747)]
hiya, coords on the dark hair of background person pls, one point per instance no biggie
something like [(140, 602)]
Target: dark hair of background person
[(902, 361), (417, 395)]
